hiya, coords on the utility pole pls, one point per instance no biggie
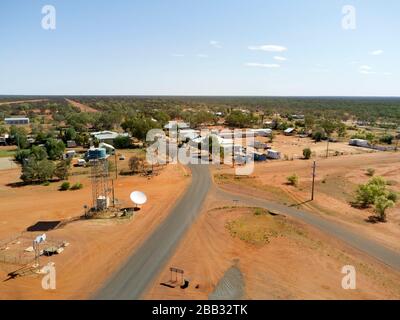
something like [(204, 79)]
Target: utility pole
[(313, 181), (327, 148), (116, 165)]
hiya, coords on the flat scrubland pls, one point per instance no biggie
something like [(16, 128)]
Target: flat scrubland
[(247, 253), (98, 247)]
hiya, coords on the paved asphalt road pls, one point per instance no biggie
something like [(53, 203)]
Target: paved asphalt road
[(133, 278), (141, 268), (372, 248)]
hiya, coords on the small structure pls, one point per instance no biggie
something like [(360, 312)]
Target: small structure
[(258, 156), (109, 148), (273, 154), (96, 153), (16, 121), (3, 140), (71, 144), (69, 154), (261, 132), (259, 145), (289, 131), (174, 125), (188, 134), (81, 163), (359, 143)]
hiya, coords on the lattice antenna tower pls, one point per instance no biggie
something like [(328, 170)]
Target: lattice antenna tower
[(100, 181)]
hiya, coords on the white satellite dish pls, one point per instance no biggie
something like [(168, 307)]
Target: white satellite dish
[(138, 197)]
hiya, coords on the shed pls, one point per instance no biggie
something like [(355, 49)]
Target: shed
[(273, 154)]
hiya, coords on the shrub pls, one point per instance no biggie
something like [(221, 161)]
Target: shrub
[(122, 142), (259, 211), (393, 196), (307, 153), (64, 186), (370, 172), (381, 205), (77, 186), (388, 139), (374, 192), (135, 163), (366, 194), (293, 180)]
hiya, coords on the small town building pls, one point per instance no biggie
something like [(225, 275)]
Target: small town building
[(107, 136), (273, 154), (359, 143), (16, 121), (289, 131)]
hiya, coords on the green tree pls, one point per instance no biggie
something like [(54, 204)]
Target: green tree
[(366, 194), (122, 142), (318, 135), (19, 137), (55, 148), (70, 134), (37, 171), (329, 127), (239, 119), (3, 130), (135, 163), (139, 127), (62, 168)]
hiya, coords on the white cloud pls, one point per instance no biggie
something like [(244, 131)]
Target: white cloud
[(320, 70), (201, 55), (365, 67), (376, 52), (261, 65), (269, 48), (216, 44), (279, 58), (177, 55), (366, 70), (387, 73)]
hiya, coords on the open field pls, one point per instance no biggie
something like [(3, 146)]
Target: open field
[(97, 247), (292, 147), (336, 182), (246, 253)]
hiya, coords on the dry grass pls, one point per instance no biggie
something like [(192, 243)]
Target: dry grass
[(258, 227)]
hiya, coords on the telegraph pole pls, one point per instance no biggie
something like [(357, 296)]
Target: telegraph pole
[(313, 181), (116, 165)]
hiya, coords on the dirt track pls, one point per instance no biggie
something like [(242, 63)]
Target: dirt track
[(80, 106)]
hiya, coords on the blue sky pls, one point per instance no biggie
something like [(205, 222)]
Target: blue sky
[(200, 47)]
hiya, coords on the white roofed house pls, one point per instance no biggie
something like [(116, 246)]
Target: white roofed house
[(173, 125), (16, 121), (107, 136), (188, 134)]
